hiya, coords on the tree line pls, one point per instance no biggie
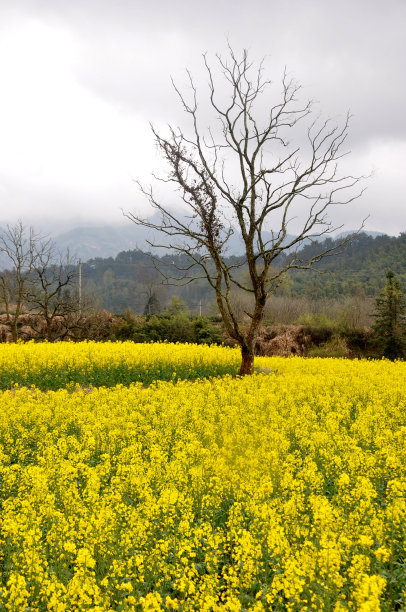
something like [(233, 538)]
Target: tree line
[(132, 278), (45, 283)]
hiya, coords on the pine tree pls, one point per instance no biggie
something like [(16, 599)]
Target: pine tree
[(390, 323)]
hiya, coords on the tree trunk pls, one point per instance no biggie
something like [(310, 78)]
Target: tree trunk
[(48, 323), (247, 361), (14, 328)]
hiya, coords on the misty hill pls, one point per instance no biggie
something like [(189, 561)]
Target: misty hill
[(120, 274), (107, 241), (361, 267), (102, 241), (128, 279)]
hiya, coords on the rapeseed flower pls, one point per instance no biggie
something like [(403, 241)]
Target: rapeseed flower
[(283, 491)]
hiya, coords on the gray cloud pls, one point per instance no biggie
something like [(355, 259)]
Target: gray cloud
[(347, 55)]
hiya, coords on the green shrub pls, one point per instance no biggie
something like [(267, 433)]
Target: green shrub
[(206, 332), (317, 320), (172, 328), (390, 319), (360, 342), (335, 347)]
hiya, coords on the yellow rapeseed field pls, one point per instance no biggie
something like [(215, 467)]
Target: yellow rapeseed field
[(281, 491), (52, 366)]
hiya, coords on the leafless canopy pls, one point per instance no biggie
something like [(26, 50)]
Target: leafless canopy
[(51, 291), (20, 246), (243, 176), (40, 280)]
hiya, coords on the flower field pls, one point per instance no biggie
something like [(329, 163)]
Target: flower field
[(281, 491), (53, 366)]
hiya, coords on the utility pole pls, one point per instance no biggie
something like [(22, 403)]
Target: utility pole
[(200, 308), (80, 285)]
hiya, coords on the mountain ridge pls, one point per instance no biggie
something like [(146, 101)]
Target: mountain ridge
[(90, 242)]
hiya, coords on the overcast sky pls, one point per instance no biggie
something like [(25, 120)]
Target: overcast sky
[(82, 79)]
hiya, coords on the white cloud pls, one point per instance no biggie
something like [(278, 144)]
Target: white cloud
[(81, 79), (59, 137)]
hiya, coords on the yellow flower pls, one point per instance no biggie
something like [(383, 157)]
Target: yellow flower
[(84, 558), (263, 492), (382, 553)]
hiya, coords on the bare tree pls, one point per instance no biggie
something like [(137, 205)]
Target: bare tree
[(19, 244), (51, 289), (150, 289), (246, 177), (40, 280)]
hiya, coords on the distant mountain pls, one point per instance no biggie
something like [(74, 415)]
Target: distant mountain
[(119, 272), (102, 241), (360, 267), (92, 242), (107, 241), (349, 232), (123, 281)]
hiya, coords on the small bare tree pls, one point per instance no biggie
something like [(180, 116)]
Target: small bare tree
[(51, 290), (40, 280), (247, 178), (20, 245)]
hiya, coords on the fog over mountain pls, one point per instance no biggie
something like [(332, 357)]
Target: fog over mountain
[(81, 80), (107, 241)]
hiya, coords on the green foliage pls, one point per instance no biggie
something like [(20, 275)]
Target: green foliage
[(335, 347), (360, 267), (206, 332), (318, 320), (170, 328), (360, 342), (121, 282), (177, 307), (390, 322), (177, 328)]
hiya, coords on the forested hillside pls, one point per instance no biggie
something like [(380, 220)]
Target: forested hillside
[(361, 267), (133, 280)]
